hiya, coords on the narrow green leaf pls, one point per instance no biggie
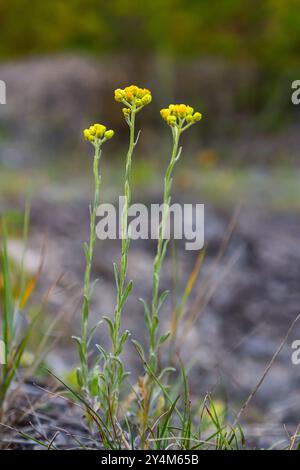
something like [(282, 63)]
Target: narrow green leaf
[(163, 338), (116, 273), (126, 293), (110, 325), (7, 297), (86, 252), (147, 314), (93, 331), (123, 340), (162, 298), (139, 349), (102, 351)]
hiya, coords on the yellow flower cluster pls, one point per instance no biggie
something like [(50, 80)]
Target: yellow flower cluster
[(97, 132), (133, 97), (180, 114)]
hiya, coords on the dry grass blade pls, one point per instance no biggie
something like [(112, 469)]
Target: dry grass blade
[(179, 311), (294, 437), (53, 439)]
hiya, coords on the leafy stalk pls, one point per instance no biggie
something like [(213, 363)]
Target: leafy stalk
[(162, 245), (89, 251), (179, 118), (115, 373), (122, 291)]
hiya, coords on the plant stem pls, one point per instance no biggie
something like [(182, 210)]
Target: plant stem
[(114, 369), (89, 250), (153, 318), (161, 250), (125, 236)]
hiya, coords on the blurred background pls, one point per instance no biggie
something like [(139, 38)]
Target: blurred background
[(234, 61)]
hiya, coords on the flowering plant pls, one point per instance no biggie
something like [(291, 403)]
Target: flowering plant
[(102, 381)]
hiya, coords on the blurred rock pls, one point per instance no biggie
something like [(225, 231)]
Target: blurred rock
[(49, 101)]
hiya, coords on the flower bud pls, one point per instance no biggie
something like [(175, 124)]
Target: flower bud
[(133, 89), (197, 117), (140, 93), (165, 113), (119, 94), (182, 110), (126, 112), (147, 99), (128, 95), (100, 129), (171, 120), (86, 134), (109, 134)]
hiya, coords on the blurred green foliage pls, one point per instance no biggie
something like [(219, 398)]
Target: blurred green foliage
[(266, 31)]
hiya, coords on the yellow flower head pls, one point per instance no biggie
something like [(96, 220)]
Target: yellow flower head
[(180, 115), (133, 97), (97, 134)]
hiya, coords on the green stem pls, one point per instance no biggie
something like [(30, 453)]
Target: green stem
[(113, 367), (161, 250), (125, 237), (87, 275)]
